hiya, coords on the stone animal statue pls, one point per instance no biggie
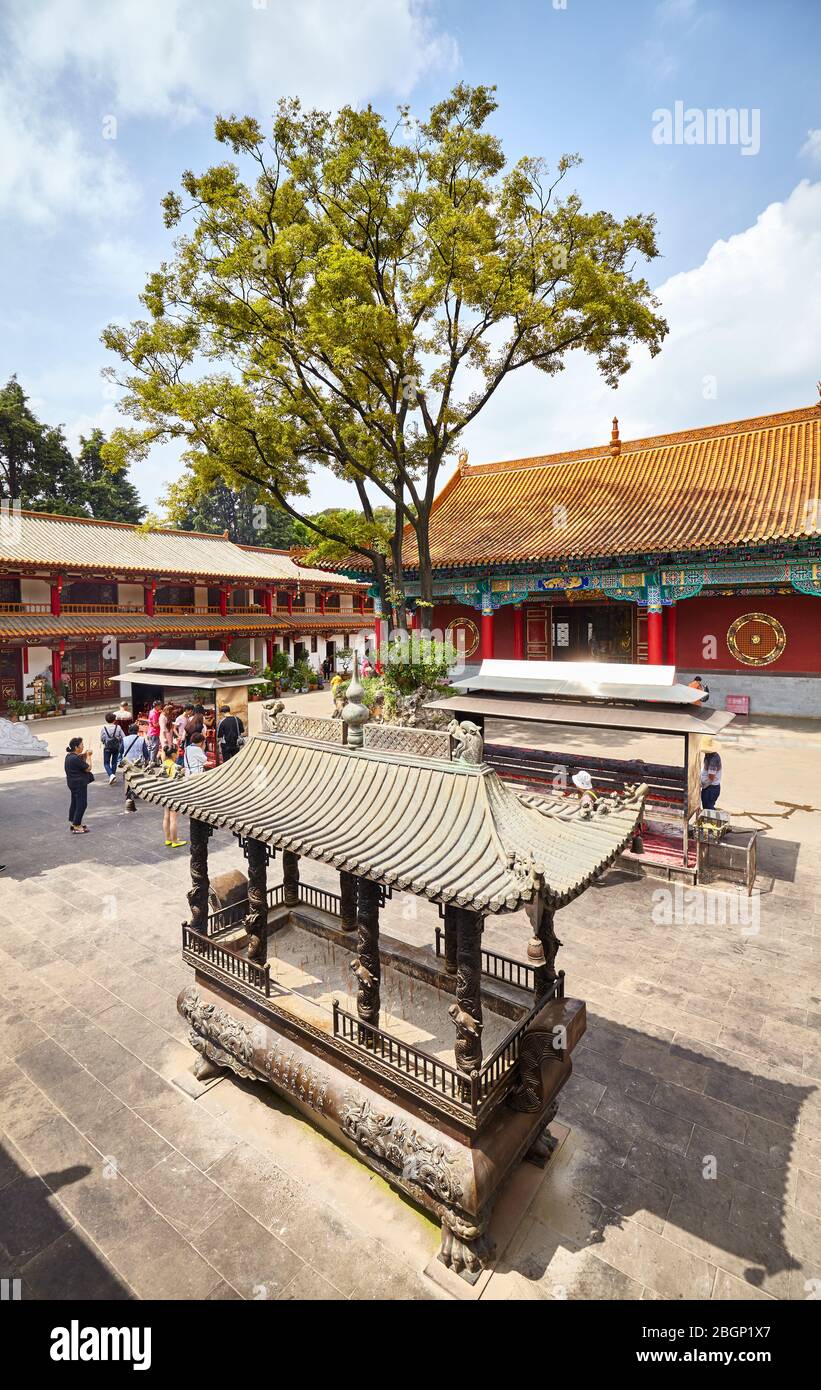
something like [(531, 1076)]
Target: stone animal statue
[(468, 743), (271, 710)]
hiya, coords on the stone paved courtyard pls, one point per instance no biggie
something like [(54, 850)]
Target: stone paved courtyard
[(693, 1164)]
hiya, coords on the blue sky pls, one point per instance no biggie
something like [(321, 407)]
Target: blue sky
[(740, 234)]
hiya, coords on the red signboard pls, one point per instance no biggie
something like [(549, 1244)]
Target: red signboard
[(738, 704)]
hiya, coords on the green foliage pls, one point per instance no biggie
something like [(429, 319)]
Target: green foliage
[(419, 663), (219, 508), (332, 289), (302, 673), (37, 467)]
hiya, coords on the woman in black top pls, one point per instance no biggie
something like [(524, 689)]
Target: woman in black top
[(78, 776)]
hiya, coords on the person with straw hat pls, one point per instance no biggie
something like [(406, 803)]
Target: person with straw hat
[(710, 774)]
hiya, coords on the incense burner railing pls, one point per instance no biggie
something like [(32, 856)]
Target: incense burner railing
[(499, 967), (477, 1092)]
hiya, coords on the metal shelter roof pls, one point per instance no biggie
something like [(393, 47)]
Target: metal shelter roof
[(451, 832)]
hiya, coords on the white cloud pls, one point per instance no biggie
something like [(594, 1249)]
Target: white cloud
[(743, 325), (47, 173), (811, 148), (185, 57)]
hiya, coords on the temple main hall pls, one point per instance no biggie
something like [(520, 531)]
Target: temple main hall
[(699, 549)]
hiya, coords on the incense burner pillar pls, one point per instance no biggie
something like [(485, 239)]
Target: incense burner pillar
[(199, 836), (545, 975), (467, 1011), (451, 918), (256, 921), (348, 900), (366, 966), (290, 877)]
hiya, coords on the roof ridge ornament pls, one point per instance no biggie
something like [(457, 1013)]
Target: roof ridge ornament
[(615, 441), (355, 714)]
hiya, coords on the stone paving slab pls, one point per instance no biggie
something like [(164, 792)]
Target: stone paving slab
[(693, 1164)]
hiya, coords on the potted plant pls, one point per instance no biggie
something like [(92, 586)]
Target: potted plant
[(15, 709)]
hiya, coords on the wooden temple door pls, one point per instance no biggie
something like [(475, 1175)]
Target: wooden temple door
[(11, 676), (538, 645), (89, 675)]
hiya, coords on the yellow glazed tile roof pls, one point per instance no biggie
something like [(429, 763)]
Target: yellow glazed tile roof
[(745, 483), (38, 539)]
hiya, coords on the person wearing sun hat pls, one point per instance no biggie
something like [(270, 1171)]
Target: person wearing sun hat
[(710, 774), (583, 782)]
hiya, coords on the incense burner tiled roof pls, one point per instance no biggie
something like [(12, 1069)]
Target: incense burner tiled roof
[(446, 831), (745, 483), (38, 539)]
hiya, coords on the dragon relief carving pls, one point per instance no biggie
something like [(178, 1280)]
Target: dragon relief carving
[(222, 1039), (214, 1031), (392, 1140)]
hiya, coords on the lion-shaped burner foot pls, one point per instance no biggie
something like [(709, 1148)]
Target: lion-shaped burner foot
[(466, 1247)]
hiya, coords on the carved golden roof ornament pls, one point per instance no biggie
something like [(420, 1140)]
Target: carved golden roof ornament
[(615, 442)]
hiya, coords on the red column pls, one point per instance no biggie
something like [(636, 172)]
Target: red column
[(223, 603), (268, 602), (487, 636), (25, 661), (56, 670), (149, 591), (290, 603), (361, 597), (56, 591), (655, 652), (322, 603), (518, 632), (670, 650)]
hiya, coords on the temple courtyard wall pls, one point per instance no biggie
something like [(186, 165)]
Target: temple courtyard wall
[(693, 1162)]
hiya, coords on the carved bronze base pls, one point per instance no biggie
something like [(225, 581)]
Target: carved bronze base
[(454, 1175)]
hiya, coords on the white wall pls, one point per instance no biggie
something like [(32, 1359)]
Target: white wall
[(34, 590), (129, 651), (39, 663), (131, 594)]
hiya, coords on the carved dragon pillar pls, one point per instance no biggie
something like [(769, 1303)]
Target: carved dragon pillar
[(451, 915), (256, 921), (467, 1011), (545, 975), (366, 965), (200, 833), (290, 877), (348, 900)]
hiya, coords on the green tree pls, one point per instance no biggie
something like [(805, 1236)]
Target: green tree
[(36, 466), (107, 492), (357, 301), (220, 508)]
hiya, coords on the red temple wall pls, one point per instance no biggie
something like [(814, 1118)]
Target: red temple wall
[(704, 617), (445, 613)]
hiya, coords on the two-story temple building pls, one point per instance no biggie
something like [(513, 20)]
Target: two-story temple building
[(80, 598), (701, 549)]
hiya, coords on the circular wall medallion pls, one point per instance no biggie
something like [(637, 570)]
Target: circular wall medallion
[(756, 639), (469, 635)]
